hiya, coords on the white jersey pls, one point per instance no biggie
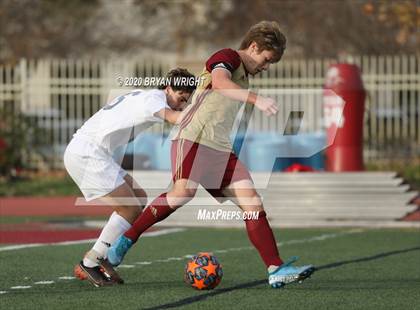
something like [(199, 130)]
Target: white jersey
[(127, 115)]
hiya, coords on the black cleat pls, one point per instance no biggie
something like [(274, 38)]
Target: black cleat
[(94, 275), (109, 271)]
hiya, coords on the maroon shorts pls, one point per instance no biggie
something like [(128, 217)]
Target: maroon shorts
[(213, 169)]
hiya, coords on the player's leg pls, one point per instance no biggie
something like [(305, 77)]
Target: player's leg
[(183, 156), (160, 208), (243, 194), (186, 173), (181, 193), (101, 179), (230, 179), (127, 201)]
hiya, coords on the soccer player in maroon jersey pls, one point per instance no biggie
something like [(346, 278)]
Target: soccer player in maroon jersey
[(202, 152)]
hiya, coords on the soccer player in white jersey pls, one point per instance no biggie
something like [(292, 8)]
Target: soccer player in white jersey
[(88, 160)]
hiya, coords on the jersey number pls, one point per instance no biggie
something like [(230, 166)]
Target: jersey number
[(119, 99)]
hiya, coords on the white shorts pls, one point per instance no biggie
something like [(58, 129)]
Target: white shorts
[(92, 168)]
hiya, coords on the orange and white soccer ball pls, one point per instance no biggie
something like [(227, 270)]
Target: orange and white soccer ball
[(203, 271)]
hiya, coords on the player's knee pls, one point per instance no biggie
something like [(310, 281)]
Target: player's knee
[(254, 199), (252, 203), (185, 193), (180, 197)]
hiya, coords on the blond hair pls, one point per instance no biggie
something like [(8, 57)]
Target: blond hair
[(268, 36)]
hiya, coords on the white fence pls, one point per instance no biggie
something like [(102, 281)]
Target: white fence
[(392, 115), (60, 94)]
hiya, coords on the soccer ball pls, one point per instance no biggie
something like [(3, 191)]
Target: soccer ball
[(203, 271)]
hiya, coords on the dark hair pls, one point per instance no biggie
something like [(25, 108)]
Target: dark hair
[(179, 79), (268, 36)]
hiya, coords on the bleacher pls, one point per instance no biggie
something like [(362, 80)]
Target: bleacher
[(310, 199)]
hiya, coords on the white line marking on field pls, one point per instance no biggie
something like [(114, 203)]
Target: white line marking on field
[(35, 245), (142, 263), (44, 282), (20, 287), (297, 241), (165, 260), (320, 238), (289, 242), (173, 258), (66, 278), (126, 266), (162, 232)]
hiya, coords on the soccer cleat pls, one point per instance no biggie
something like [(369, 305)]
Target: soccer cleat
[(94, 275), (118, 250), (286, 274), (108, 269)]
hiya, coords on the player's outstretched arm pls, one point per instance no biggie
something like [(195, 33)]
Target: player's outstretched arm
[(222, 83), (171, 116)]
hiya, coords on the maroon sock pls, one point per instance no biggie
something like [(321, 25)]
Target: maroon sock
[(157, 211), (261, 236)]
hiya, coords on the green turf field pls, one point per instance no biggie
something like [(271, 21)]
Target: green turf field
[(359, 269)]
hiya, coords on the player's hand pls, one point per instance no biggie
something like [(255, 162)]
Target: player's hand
[(267, 105)]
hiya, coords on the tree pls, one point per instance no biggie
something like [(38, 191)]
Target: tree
[(191, 28), (20, 137)]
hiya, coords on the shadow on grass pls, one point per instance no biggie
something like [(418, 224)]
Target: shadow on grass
[(194, 299)]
